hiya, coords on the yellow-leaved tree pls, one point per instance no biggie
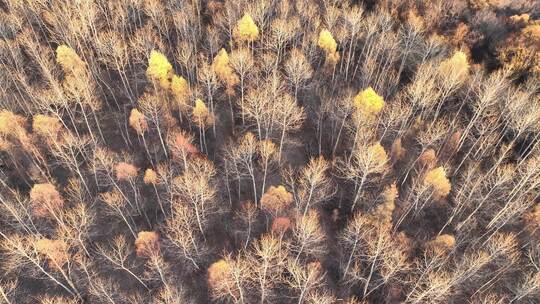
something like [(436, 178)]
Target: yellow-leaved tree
[(246, 30), (327, 42), (438, 181), (159, 69), (368, 103), (180, 92), (224, 71), (203, 118)]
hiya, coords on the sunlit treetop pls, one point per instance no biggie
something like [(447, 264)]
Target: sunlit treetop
[(223, 69), (125, 171), (437, 179), (326, 42), (179, 89), (45, 198), (246, 29), (137, 121), (10, 123), (45, 125), (276, 199), (159, 69), (69, 60), (218, 272), (442, 242), (379, 154), (368, 102), (281, 224), (150, 177), (455, 67), (201, 114), (147, 243), (56, 251)]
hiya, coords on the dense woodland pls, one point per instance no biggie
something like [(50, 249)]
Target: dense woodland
[(269, 151)]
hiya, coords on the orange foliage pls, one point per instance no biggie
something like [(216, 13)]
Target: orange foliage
[(428, 158), (147, 243), (45, 199), (125, 171), (281, 224), (276, 199)]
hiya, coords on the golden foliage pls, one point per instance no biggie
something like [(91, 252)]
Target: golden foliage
[(68, 59), (137, 121), (368, 102), (455, 68), (56, 251), (326, 42), (217, 273), (159, 69), (378, 154), (246, 30), (150, 177), (180, 91), (276, 199), (437, 179), (46, 126), (329, 45), (45, 199), (224, 71), (125, 171), (11, 124), (442, 242), (201, 115), (147, 243)]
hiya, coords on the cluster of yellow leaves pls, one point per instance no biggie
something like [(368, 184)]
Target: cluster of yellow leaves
[(44, 198), (329, 45), (159, 69), (378, 154), (147, 243), (125, 171), (46, 126), (217, 273), (150, 177), (11, 124), (437, 179), (442, 242), (368, 102), (224, 71), (56, 251), (68, 59), (137, 121), (455, 68), (201, 115), (180, 91), (276, 199), (246, 30)]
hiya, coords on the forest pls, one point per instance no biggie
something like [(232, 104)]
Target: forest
[(269, 151)]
